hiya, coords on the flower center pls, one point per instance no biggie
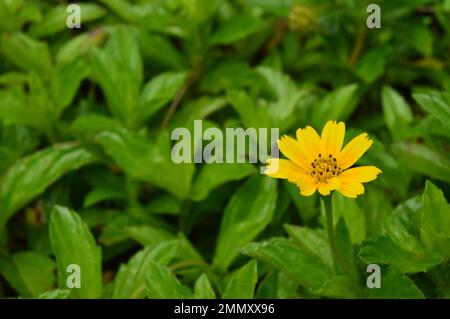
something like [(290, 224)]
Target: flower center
[(323, 168)]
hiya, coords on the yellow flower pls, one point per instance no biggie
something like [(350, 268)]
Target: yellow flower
[(320, 163)]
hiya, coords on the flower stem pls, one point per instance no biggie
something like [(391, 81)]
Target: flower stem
[(338, 261)]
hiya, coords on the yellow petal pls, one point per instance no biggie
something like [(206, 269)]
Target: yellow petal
[(350, 187), (293, 151), (310, 142), (332, 138), (362, 174), (285, 169), (354, 150), (328, 186), (307, 186)]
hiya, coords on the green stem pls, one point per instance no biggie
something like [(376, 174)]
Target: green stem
[(338, 261)]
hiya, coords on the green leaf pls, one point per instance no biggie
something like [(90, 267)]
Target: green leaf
[(397, 113), (27, 53), (314, 241), (78, 46), (19, 108), (65, 83), (241, 284), (203, 288), (228, 75), (160, 49), (353, 215), (436, 104), (251, 115), (55, 294), (119, 71), (382, 250), (345, 249), (147, 235), (29, 273), (236, 29), (336, 105), (55, 19), (402, 226), (94, 123), (435, 221), (158, 92), (31, 175), (243, 219), (338, 287), (287, 96), (73, 243), (402, 247), (299, 264), (161, 283), (394, 285), (214, 175), (423, 159), (277, 285), (418, 36), (394, 176), (98, 195), (197, 110), (305, 205), (372, 64), (148, 161), (130, 279), (166, 204)]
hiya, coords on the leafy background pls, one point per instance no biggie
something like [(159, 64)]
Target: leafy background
[(86, 174)]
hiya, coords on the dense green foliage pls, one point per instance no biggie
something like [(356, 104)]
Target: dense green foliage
[(86, 175)]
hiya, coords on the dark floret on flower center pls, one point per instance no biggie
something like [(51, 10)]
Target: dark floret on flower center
[(322, 169)]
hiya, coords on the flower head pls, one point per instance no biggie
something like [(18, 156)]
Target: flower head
[(320, 163)]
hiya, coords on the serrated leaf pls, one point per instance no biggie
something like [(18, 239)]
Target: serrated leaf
[(394, 285), (382, 250), (435, 221), (313, 240), (299, 264)]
